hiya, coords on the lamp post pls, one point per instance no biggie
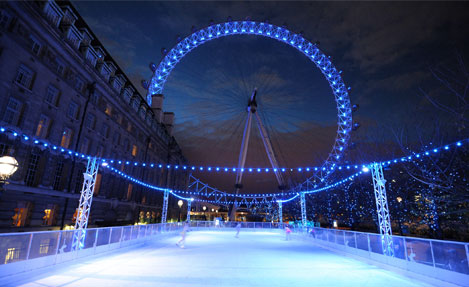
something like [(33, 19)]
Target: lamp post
[(399, 203), (8, 166), (180, 203), (204, 208)]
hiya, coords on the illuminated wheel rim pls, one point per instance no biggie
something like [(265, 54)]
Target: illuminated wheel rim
[(332, 75)]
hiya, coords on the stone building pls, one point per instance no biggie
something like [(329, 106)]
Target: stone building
[(59, 84)]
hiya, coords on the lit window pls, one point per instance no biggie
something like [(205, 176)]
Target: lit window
[(72, 111), (43, 126), (66, 138), (90, 121), (97, 184), (141, 217), (108, 110), (21, 214), (50, 214), (129, 191), (52, 94), (24, 76), (13, 254), (35, 45), (12, 112), (134, 150)]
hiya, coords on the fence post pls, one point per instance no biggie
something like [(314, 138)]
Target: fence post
[(57, 248), (29, 245), (431, 249)]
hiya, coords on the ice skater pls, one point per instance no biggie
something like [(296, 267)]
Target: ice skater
[(182, 241), (238, 228), (287, 233)]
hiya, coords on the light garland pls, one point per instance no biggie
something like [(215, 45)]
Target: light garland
[(105, 162)]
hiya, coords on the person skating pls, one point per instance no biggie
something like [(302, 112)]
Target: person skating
[(238, 228), (182, 241)]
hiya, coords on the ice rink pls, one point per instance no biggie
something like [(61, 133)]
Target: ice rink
[(213, 258)]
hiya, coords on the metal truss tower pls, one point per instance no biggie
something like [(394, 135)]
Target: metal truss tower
[(251, 110), (189, 203), (84, 205), (164, 213), (379, 184), (280, 213), (303, 208)]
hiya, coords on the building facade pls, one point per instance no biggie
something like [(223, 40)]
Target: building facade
[(60, 85)]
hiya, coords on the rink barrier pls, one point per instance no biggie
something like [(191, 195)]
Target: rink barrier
[(443, 260), (26, 251)]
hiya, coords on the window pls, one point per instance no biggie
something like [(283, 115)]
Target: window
[(22, 212), (126, 145), (117, 84), (85, 145), (95, 98), (90, 121), (35, 45), (50, 215), (116, 138), (97, 184), (58, 174), (129, 127), (4, 19), (24, 77), (72, 111), (59, 66), (43, 126), (66, 138), (105, 130), (12, 112), (100, 151), (79, 84), (134, 150), (108, 110), (129, 191), (52, 94), (30, 178)]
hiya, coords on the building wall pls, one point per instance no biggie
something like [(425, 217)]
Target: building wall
[(56, 79)]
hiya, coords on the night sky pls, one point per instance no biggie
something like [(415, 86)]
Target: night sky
[(385, 50)]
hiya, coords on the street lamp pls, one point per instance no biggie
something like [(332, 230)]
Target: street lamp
[(180, 203), (8, 166), (399, 203), (204, 208)]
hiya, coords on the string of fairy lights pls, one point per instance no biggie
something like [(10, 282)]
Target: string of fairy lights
[(364, 168)]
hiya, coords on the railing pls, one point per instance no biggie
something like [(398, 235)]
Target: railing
[(429, 257), (424, 256), (52, 247)]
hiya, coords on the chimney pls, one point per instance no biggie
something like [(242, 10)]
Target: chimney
[(168, 120), (157, 106)]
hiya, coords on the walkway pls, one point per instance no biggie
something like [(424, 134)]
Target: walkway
[(218, 259)]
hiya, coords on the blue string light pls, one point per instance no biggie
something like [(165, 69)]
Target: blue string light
[(364, 168)]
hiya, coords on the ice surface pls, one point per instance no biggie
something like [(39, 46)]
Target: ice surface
[(212, 258)]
